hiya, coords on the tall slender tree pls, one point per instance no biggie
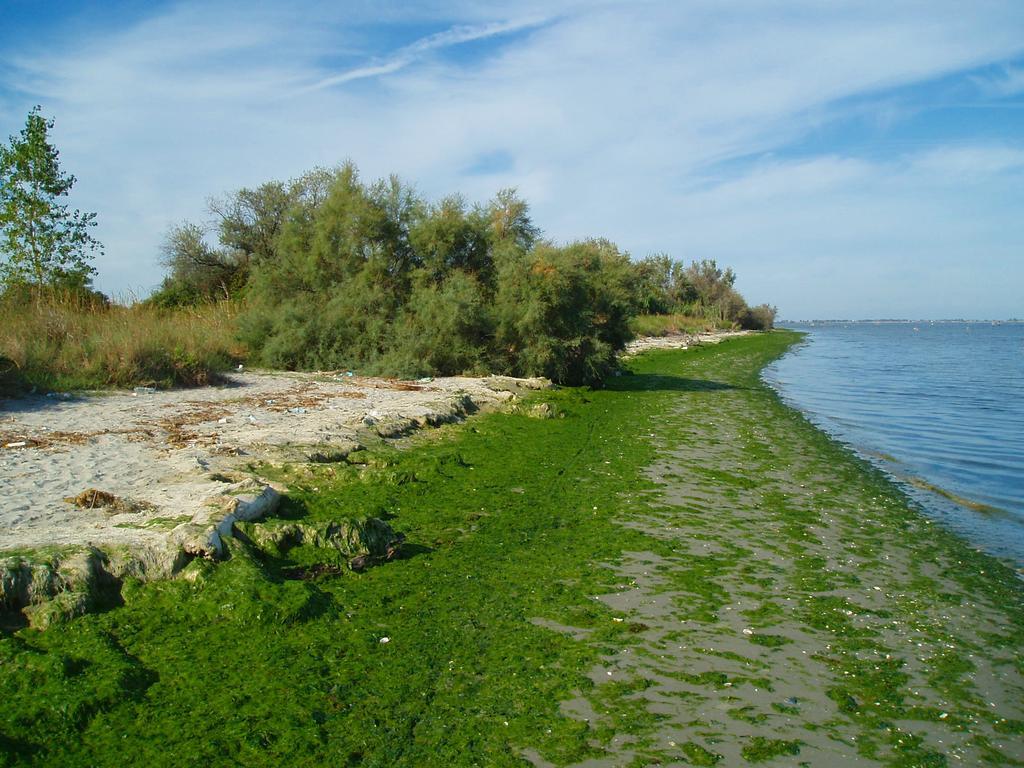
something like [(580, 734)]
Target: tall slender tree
[(42, 242)]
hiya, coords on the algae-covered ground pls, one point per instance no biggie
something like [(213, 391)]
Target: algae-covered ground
[(675, 570)]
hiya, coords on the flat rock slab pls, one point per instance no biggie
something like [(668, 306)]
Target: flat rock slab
[(172, 455), (677, 341)]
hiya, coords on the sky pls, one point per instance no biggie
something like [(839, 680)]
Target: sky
[(847, 159)]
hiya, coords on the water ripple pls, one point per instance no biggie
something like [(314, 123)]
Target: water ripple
[(943, 404)]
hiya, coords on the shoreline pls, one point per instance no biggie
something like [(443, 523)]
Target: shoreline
[(687, 571), (941, 453)]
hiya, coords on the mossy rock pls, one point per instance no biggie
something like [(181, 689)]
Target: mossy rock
[(370, 536), (57, 610)]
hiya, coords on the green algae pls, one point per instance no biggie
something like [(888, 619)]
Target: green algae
[(760, 749), (438, 658)]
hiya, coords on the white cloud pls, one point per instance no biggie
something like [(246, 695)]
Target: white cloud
[(411, 53), (979, 161), (828, 237), (616, 116), (1010, 82)]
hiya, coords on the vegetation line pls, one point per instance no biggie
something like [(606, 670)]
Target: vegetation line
[(326, 271)]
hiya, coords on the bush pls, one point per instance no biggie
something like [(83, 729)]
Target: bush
[(667, 325), (339, 274), (374, 279), (759, 318), (702, 291), (11, 380), (445, 329), (564, 312)]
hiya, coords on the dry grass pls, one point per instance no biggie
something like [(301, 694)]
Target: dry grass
[(57, 344), (56, 439)]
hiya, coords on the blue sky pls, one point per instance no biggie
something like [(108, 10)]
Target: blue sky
[(846, 159)]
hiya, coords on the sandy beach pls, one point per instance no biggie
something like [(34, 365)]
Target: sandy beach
[(171, 458)]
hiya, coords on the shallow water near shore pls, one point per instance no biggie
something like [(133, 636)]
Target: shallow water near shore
[(939, 406)]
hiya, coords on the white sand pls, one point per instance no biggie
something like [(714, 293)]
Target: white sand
[(162, 449), (677, 341)]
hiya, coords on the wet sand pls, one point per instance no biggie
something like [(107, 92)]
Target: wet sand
[(806, 615)]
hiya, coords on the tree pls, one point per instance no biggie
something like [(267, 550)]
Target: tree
[(42, 243)]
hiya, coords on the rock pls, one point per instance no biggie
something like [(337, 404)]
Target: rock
[(394, 426), (362, 543), (59, 609), (512, 384), (541, 411), (206, 540), (61, 587), (360, 563)]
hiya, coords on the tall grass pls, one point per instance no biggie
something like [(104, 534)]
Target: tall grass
[(60, 343), (667, 325)]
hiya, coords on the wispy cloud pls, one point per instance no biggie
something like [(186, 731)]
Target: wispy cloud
[(411, 53), (1009, 82)]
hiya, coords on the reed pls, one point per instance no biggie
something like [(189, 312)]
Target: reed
[(60, 342)]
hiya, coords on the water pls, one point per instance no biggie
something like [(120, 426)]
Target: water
[(939, 406)]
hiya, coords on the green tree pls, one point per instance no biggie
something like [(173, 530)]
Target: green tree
[(42, 242)]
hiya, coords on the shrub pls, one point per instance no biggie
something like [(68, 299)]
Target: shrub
[(667, 325), (372, 278), (759, 318), (564, 312)]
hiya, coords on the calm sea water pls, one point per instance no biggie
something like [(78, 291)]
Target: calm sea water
[(941, 403)]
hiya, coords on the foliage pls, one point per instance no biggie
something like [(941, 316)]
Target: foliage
[(564, 312), (759, 318), (373, 277), (702, 290), (198, 272), (338, 273), (66, 340), (42, 242), (668, 325), (247, 224), (662, 285)]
